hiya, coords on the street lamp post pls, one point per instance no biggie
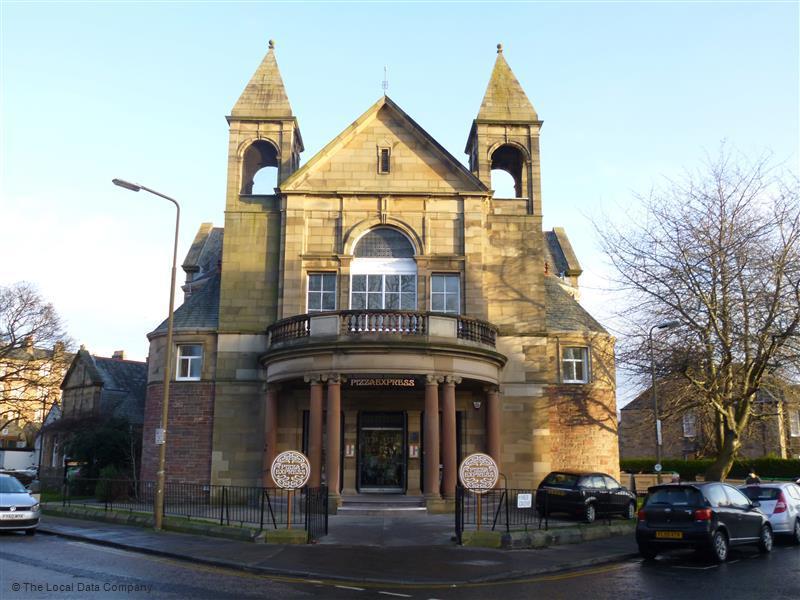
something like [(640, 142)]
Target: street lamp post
[(664, 325), (161, 433)]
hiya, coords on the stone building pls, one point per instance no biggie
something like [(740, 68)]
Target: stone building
[(381, 310), (686, 434), (94, 389), (30, 377)]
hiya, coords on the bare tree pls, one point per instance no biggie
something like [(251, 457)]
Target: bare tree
[(718, 251), (32, 354)]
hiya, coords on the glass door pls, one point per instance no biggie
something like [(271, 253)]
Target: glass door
[(381, 453)]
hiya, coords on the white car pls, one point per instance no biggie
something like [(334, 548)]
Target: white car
[(781, 503), (18, 509)]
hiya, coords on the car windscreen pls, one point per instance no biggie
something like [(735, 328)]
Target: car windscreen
[(677, 496), (561, 480), (9, 485), (762, 494)]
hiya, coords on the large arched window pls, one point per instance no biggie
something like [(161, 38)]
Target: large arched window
[(383, 271)]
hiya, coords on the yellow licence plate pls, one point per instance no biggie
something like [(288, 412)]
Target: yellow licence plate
[(670, 535)]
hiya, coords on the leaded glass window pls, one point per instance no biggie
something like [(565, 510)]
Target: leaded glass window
[(384, 242)]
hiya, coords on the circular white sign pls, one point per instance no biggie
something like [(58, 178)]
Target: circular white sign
[(658, 467), (290, 470), (478, 473)]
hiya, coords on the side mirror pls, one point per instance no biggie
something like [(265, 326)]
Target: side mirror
[(755, 504)]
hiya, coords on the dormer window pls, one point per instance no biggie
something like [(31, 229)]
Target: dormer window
[(384, 156)]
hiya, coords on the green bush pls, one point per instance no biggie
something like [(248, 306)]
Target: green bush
[(768, 467), (110, 486)]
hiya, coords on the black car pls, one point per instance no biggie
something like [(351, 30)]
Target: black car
[(585, 495), (709, 516)]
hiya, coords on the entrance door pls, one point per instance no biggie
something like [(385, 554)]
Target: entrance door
[(381, 453)]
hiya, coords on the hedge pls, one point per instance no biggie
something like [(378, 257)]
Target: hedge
[(769, 467)]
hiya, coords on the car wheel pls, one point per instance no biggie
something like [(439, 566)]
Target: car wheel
[(796, 535), (647, 552), (30, 532), (765, 540), (630, 514), (591, 513), (719, 547)]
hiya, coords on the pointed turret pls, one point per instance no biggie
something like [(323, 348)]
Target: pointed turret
[(265, 95), (505, 100), (505, 136), (263, 133)]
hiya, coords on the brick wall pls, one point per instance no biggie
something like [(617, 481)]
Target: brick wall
[(189, 426), (583, 428)]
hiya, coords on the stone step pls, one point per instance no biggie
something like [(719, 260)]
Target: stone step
[(382, 504)]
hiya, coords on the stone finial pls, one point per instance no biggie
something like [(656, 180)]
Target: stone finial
[(83, 347), (272, 44), (499, 48)]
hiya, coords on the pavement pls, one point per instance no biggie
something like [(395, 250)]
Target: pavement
[(376, 549)]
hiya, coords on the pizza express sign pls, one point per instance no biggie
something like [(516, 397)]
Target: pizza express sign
[(383, 381)]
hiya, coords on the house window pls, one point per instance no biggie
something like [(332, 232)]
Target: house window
[(794, 423), (384, 291), (689, 425), (321, 292), (383, 160), (446, 293), (575, 365), (190, 361)]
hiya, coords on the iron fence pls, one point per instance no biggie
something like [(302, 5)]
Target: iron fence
[(265, 508)]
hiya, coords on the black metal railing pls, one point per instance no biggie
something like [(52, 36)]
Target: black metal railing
[(499, 509), (264, 508)]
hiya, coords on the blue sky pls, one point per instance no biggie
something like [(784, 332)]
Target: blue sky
[(629, 93)]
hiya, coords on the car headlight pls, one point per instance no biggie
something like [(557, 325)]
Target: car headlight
[(35, 507)]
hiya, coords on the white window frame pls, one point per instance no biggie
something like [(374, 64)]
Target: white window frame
[(322, 291), (445, 293), (584, 360), (689, 425), (190, 360), (381, 267), (794, 422)]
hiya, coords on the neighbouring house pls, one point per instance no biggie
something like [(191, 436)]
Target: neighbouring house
[(686, 434), (30, 379), (94, 389), (383, 310)]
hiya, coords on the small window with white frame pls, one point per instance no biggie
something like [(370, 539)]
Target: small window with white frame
[(190, 362), (689, 425), (575, 365), (794, 423), (446, 293), (321, 292)]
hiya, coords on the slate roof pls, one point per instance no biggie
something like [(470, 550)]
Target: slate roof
[(562, 311), (562, 256), (199, 311), (505, 100)]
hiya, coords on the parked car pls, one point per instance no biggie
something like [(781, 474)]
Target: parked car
[(585, 495), (18, 509), (708, 516), (781, 503), (25, 476)]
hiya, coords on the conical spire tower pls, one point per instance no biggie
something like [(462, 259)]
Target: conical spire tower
[(265, 95)]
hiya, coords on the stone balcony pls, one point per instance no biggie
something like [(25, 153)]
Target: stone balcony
[(380, 325)]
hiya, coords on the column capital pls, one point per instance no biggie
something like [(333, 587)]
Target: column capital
[(433, 379), (491, 389), (452, 379), (312, 379), (333, 378)]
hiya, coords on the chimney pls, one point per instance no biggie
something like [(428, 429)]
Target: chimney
[(119, 355)]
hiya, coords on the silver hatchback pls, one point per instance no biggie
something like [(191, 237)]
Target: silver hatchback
[(781, 503), (18, 509)]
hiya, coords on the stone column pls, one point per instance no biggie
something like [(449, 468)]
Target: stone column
[(270, 434), (333, 450), (493, 425), (315, 430), (413, 483), (431, 448), (449, 474), (350, 438)]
